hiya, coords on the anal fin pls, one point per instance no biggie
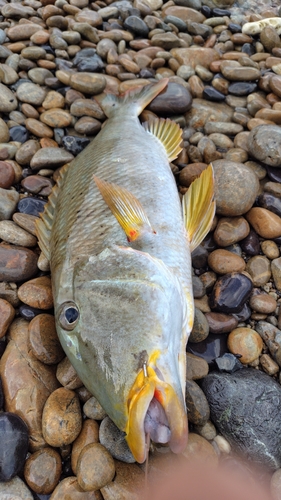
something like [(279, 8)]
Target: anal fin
[(127, 209), (44, 224), (168, 133), (199, 207)]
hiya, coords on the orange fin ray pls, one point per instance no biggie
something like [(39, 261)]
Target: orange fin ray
[(127, 209)]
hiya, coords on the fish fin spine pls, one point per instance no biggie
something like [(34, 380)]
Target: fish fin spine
[(199, 207), (168, 133), (45, 223), (127, 209), (135, 99)]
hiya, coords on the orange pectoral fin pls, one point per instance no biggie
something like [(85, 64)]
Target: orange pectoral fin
[(126, 208)]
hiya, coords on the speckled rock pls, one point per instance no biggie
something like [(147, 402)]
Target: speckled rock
[(66, 374), (246, 342), (93, 409), (198, 411), (42, 470), (222, 262), (236, 187), (196, 367), (264, 144), (8, 100), (249, 401), (31, 93), (95, 467), (200, 329), (15, 489), (61, 419), (17, 263), (50, 158), (8, 203), (69, 488), (114, 441), (10, 232)]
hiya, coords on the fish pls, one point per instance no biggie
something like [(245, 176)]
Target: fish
[(119, 243)]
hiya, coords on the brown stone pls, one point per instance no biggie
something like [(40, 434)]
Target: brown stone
[(7, 314), (7, 175), (69, 489), (37, 293), (62, 419), (27, 383), (43, 339), (25, 221), (38, 128), (223, 262), (198, 411), (265, 223), (67, 375), (263, 303), (89, 434), (246, 342), (199, 449), (95, 467), (37, 184), (221, 323), (56, 117), (259, 269), (190, 173), (230, 230), (17, 263), (128, 483), (192, 56), (42, 470)]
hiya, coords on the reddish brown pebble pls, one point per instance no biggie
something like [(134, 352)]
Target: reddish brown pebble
[(263, 303), (7, 314), (17, 263), (7, 175), (95, 467), (62, 419), (42, 470), (37, 293), (221, 323), (265, 223), (44, 340), (223, 262), (69, 489), (246, 342), (89, 434)]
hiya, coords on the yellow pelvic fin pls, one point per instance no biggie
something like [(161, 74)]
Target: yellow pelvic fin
[(199, 207), (126, 208), (168, 133), (44, 224)]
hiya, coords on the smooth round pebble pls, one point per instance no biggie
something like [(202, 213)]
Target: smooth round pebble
[(114, 440), (263, 303), (222, 262), (7, 314), (230, 230), (246, 342), (95, 467), (14, 445), (37, 293), (44, 340), (42, 470), (258, 268), (89, 434)]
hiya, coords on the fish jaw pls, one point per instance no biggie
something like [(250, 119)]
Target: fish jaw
[(148, 387)]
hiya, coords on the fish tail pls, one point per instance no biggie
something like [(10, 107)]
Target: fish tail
[(134, 100)]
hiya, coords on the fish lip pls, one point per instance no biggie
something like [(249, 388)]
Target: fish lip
[(143, 391)]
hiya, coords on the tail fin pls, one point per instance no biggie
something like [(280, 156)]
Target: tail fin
[(135, 99)]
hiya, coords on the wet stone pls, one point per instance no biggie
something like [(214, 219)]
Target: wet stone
[(276, 272), (211, 348), (200, 328), (212, 94), (199, 449), (89, 434), (17, 263), (19, 134), (31, 206), (198, 287), (259, 269), (7, 314), (198, 411), (26, 152), (263, 303), (245, 342), (264, 144), (242, 88), (42, 470), (14, 445), (95, 467), (31, 93), (37, 293), (270, 202), (10, 232), (230, 230), (236, 187), (37, 184), (250, 402), (74, 144), (128, 482), (44, 340), (61, 420), (93, 409), (8, 203), (136, 25), (223, 261), (7, 175), (251, 244), (270, 249), (175, 99), (8, 100), (114, 441), (230, 293), (228, 363), (66, 374), (28, 313), (221, 323), (266, 223)]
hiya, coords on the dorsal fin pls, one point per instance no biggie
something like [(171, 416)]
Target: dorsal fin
[(168, 133), (199, 207), (45, 223)]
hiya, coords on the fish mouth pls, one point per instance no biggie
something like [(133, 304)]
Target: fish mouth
[(155, 410)]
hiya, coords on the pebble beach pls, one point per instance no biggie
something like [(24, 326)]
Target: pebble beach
[(223, 62)]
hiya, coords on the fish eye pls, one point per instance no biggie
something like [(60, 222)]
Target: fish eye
[(68, 315)]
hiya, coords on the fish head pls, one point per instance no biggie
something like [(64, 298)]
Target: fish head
[(120, 323)]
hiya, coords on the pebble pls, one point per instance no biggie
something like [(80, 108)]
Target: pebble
[(93, 409), (230, 230), (231, 202), (31, 206), (198, 411), (128, 482), (66, 374), (251, 244), (220, 323), (198, 448), (31, 93), (8, 100), (50, 157), (245, 342), (8, 203), (42, 470), (61, 419), (69, 488), (89, 434), (26, 151), (7, 314), (264, 143), (228, 363), (200, 329), (27, 383), (114, 441), (37, 184), (270, 202), (74, 144), (211, 348), (175, 99), (270, 249), (37, 293), (276, 272), (15, 489), (222, 262), (264, 222), (43, 339), (95, 467), (230, 293), (14, 445), (268, 365), (10, 232), (196, 367), (249, 401), (258, 268), (17, 263), (263, 303)]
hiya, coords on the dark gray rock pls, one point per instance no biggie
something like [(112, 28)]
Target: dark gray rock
[(246, 408), (114, 441)]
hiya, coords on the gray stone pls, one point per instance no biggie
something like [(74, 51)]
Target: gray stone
[(8, 202), (50, 158), (245, 407), (8, 100), (15, 489), (114, 441), (264, 144)]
